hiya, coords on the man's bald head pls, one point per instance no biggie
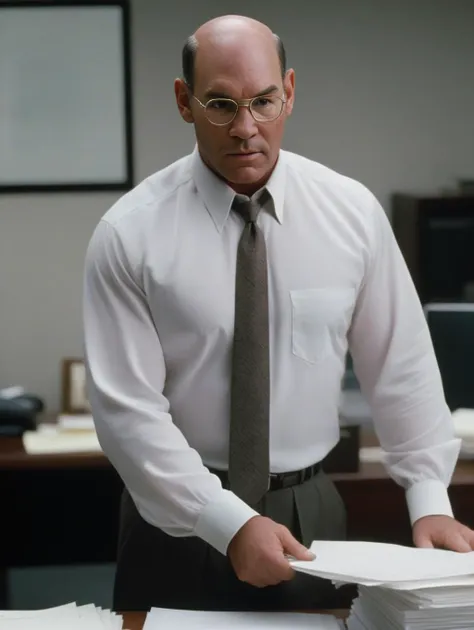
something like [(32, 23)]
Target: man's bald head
[(222, 35), (237, 92)]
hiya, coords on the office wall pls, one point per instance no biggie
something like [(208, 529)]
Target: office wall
[(384, 93)]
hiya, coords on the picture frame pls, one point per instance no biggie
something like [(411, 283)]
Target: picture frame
[(73, 385), (65, 96)]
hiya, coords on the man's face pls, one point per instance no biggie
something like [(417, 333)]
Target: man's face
[(243, 152)]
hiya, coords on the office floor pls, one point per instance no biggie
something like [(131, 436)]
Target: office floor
[(44, 587)]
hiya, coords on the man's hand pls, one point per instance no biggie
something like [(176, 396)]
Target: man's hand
[(257, 552), (443, 532)]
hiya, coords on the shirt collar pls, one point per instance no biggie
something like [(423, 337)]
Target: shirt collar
[(218, 196)]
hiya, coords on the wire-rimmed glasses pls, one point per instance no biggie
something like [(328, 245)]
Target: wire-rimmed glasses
[(222, 111)]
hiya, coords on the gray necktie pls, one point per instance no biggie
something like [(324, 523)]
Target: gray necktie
[(250, 392)]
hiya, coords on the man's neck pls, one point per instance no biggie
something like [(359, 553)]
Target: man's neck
[(248, 189)]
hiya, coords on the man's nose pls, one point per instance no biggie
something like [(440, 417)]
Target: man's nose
[(244, 125)]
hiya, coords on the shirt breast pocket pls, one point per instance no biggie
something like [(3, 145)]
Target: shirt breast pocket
[(320, 318)]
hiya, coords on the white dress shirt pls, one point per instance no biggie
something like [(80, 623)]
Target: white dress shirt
[(158, 317)]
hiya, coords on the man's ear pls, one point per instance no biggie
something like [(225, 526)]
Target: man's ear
[(182, 94), (289, 88)]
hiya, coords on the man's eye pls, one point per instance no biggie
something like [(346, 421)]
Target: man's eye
[(262, 102), (221, 105)]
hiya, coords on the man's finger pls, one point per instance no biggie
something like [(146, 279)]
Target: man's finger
[(470, 539), (457, 542), (293, 548), (423, 541), (468, 535)]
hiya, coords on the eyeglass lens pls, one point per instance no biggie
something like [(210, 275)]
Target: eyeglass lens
[(221, 110)]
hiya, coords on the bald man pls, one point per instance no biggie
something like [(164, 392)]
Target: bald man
[(221, 297)]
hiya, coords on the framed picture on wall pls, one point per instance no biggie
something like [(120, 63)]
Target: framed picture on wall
[(74, 395), (65, 96)]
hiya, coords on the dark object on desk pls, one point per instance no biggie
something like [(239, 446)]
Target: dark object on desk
[(466, 186), (452, 331), (436, 236), (18, 414)]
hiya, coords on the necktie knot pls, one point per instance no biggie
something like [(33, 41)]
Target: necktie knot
[(247, 208)]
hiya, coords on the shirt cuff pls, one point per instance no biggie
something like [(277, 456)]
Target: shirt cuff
[(221, 519), (427, 498)]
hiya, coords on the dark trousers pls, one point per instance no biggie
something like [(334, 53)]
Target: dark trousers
[(158, 570)]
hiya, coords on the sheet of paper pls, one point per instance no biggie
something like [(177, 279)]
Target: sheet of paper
[(79, 422), (447, 604), (34, 623), (52, 441), (70, 617), (348, 561), (371, 454), (463, 420), (382, 608), (58, 611), (161, 618), (466, 581)]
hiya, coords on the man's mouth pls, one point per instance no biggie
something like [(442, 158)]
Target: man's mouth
[(244, 153)]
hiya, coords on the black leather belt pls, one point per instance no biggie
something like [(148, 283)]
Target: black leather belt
[(277, 481)]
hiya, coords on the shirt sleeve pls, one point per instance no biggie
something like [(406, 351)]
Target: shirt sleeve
[(395, 364), (126, 374)]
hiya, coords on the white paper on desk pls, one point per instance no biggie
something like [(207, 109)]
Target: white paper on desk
[(34, 623), (456, 583), (111, 620), (372, 454), (162, 618), (76, 422), (381, 620), (347, 561), (91, 618), (57, 611), (69, 616), (51, 441), (463, 420)]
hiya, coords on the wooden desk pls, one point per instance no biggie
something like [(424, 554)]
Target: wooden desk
[(14, 457), (135, 620), (376, 506), (64, 509)]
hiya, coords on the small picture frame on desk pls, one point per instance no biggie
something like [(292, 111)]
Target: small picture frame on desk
[(74, 394)]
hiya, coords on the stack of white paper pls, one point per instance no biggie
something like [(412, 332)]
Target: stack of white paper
[(69, 435), (438, 608), (69, 616), (162, 618), (400, 588)]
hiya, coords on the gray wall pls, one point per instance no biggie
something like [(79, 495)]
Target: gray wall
[(385, 94)]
